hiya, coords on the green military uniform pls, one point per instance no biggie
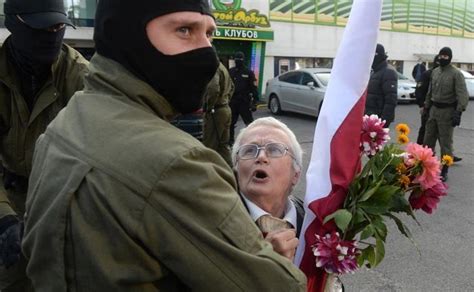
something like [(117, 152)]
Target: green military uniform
[(447, 94), (217, 116), (19, 129), (138, 205)]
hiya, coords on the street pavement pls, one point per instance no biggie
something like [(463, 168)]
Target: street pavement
[(441, 257)]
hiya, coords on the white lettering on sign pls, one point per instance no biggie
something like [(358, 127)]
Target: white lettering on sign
[(246, 34)]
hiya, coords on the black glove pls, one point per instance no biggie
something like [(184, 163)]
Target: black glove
[(10, 241), (253, 104), (456, 121)]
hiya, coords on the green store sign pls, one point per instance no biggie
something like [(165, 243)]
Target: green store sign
[(245, 34), (229, 12), (224, 5)]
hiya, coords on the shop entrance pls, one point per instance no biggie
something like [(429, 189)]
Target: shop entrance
[(227, 48)]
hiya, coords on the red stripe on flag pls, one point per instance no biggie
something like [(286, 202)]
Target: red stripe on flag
[(344, 164)]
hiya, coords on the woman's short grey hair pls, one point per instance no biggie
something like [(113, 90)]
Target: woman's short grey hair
[(295, 147)]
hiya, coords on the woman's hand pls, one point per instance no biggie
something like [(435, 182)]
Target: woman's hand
[(284, 242)]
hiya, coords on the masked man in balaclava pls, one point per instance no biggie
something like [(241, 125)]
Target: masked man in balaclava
[(137, 204), (422, 87), (38, 75), (382, 90), (447, 98), (244, 99)]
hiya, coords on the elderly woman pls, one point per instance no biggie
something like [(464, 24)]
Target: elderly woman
[(267, 159)]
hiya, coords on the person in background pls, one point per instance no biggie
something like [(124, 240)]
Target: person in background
[(422, 87), (267, 160), (382, 89), (418, 71), (446, 99), (38, 75), (245, 96), (217, 113), (137, 204)]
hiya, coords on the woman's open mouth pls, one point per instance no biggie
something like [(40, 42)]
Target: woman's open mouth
[(260, 175)]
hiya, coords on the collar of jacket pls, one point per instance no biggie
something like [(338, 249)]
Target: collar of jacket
[(7, 75), (109, 77), (447, 67), (381, 65)]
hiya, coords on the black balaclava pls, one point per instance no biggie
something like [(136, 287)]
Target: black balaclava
[(120, 34), (239, 58), (436, 62), (33, 50), (445, 51), (380, 56)]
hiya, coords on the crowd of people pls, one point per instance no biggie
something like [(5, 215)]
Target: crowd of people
[(106, 194), (441, 94)]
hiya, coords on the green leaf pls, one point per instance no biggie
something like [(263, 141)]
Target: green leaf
[(374, 209), (371, 257), (400, 204), (368, 231), (401, 227), (358, 217), (380, 228), (360, 260), (342, 218), (365, 196), (379, 252)]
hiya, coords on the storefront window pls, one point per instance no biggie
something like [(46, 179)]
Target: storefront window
[(284, 64), (82, 12)]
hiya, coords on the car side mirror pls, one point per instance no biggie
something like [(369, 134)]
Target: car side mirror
[(310, 84)]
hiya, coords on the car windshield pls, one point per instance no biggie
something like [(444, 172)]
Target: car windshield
[(402, 77), (323, 77)]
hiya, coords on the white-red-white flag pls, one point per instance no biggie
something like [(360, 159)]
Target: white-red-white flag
[(335, 158)]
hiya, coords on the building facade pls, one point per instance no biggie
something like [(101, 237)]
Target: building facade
[(281, 35)]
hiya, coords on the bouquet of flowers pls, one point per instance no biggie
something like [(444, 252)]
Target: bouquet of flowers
[(397, 178)]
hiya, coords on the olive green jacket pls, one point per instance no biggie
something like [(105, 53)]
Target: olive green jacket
[(136, 204), (217, 114), (447, 86), (19, 128)]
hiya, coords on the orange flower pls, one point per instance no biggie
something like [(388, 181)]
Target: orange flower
[(401, 168), (447, 160), (403, 129), (403, 139), (404, 181)]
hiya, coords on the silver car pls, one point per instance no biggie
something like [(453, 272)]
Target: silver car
[(300, 91), (469, 83), (406, 89)]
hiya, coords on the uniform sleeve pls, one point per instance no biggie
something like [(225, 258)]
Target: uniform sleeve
[(428, 101), (205, 236), (227, 84), (461, 92), (5, 205), (78, 69), (389, 87)]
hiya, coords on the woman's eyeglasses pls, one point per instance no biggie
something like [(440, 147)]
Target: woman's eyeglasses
[(273, 150)]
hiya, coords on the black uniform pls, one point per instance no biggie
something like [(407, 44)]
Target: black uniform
[(244, 96), (420, 93)]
